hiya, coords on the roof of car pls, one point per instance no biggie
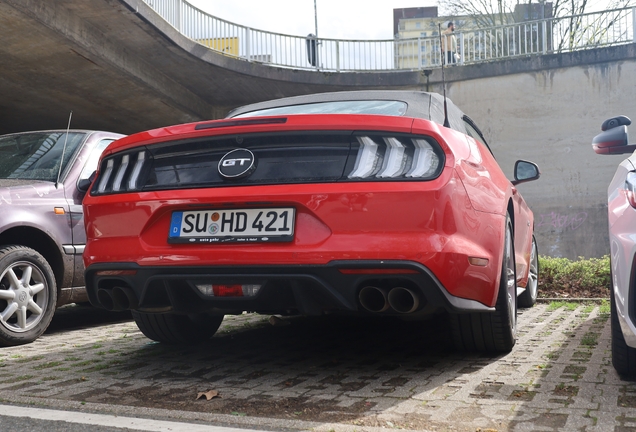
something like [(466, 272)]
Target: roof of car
[(429, 106)]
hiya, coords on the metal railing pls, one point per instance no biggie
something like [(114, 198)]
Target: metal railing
[(547, 36)]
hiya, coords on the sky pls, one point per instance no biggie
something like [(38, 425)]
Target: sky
[(337, 19)]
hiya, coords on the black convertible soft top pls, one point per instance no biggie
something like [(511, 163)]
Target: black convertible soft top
[(429, 106)]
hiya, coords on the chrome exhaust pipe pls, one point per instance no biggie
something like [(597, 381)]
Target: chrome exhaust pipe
[(373, 299), (105, 298), (124, 299), (403, 300)]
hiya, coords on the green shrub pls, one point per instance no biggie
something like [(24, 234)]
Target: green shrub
[(584, 278)]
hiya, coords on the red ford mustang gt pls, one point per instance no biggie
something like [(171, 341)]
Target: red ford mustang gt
[(350, 203)]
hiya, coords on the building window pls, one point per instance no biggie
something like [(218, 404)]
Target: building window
[(423, 34), (418, 24)]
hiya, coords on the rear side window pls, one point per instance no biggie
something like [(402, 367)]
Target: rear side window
[(378, 107)]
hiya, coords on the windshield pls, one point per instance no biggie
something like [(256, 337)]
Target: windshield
[(380, 107), (36, 156)]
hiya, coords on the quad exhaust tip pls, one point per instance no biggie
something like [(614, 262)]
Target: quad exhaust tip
[(378, 300), (374, 299), (117, 299), (403, 300)]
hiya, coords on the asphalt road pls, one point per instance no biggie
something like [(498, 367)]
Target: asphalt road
[(330, 373)]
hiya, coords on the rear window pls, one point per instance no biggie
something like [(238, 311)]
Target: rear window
[(378, 107)]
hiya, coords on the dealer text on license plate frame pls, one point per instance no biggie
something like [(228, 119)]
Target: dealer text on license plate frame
[(260, 225)]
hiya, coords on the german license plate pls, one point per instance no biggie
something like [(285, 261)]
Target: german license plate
[(233, 225)]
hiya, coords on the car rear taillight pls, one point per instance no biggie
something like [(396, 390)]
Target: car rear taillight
[(122, 172), (389, 157), (298, 157), (630, 188)]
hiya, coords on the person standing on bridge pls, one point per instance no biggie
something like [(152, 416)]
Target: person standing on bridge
[(449, 44)]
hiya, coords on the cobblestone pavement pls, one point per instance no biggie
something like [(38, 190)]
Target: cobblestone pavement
[(336, 374)]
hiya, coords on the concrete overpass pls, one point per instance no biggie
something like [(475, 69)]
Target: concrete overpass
[(119, 66)]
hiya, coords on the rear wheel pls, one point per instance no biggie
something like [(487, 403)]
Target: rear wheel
[(177, 329), (529, 297), (28, 295), (493, 331), (623, 356)]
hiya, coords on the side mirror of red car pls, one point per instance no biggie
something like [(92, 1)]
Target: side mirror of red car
[(613, 141), (525, 171)]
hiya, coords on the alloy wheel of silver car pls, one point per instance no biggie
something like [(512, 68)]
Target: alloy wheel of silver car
[(24, 290), (27, 295)]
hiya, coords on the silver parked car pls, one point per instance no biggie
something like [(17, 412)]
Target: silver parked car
[(621, 207), (43, 178)]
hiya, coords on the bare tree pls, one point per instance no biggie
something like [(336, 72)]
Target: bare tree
[(488, 13), (568, 29), (485, 13)]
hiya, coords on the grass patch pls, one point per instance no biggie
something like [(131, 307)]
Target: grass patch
[(47, 365), (87, 362), (29, 359), (589, 339), (589, 308), (23, 377), (96, 368), (562, 304), (604, 308), (583, 278)]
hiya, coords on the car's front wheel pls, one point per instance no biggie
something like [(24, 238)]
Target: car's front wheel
[(493, 331), (28, 295), (623, 356), (177, 329)]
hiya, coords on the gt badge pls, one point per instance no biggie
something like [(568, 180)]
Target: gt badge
[(237, 164)]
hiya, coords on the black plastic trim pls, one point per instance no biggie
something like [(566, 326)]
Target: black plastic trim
[(304, 289)]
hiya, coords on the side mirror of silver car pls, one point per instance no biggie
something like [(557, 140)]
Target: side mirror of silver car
[(615, 122), (613, 141), (84, 184)]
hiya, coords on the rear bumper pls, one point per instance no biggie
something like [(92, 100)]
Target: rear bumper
[(285, 289)]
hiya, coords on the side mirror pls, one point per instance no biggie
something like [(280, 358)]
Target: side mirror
[(84, 184), (525, 171), (613, 141), (615, 122)]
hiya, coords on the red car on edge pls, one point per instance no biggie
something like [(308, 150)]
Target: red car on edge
[(338, 203)]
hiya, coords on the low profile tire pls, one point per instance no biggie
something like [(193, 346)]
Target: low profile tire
[(177, 329), (496, 331), (528, 298), (623, 356), (28, 295)]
